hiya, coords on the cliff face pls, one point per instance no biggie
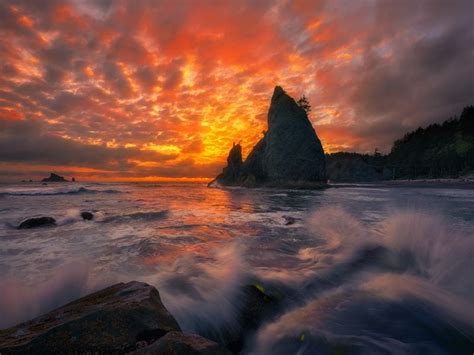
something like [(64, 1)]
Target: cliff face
[(290, 153)]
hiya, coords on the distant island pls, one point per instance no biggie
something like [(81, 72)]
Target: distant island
[(54, 178), (289, 154)]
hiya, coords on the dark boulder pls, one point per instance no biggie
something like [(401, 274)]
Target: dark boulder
[(112, 320), (54, 178), (36, 222), (176, 343), (290, 153), (87, 216)]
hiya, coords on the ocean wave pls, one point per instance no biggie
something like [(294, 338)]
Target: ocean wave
[(60, 191), (402, 287), (147, 216)]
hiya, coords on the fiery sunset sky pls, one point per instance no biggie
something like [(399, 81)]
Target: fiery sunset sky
[(160, 89)]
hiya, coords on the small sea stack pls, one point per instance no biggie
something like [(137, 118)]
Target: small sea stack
[(54, 178)]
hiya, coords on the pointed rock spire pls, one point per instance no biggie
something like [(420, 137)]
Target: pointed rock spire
[(290, 152), (293, 151), (278, 91)]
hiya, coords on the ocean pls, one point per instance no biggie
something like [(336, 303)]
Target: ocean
[(362, 269)]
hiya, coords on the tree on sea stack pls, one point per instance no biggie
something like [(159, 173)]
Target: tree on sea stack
[(303, 102)]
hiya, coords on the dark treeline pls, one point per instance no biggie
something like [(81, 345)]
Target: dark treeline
[(347, 167), (443, 150)]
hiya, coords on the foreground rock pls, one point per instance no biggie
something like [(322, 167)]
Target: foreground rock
[(176, 343), (54, 178), (37, 222), (112, 320), (289, 155)]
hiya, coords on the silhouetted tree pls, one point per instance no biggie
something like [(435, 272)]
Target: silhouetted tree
[(304, 104)]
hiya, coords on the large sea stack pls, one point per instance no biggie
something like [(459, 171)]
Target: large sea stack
[(289, 154)]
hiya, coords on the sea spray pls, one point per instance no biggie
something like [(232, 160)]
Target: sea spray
[(339, 234), (203, 292), (71, 215), (441, 254), (411, 295), (20, 301)]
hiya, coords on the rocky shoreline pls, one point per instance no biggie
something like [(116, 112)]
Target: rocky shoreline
[(127, 318)]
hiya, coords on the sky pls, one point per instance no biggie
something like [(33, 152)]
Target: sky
[(159, 90)]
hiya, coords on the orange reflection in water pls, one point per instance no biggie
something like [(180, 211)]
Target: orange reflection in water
[(198, 223)]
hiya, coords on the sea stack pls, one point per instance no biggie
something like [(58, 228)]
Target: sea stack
[(54, 178), (289, 154)]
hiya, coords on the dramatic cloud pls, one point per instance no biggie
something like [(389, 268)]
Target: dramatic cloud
[(150, 89)]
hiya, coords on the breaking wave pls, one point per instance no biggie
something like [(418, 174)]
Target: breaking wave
[(403, 287), (55, 191)]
